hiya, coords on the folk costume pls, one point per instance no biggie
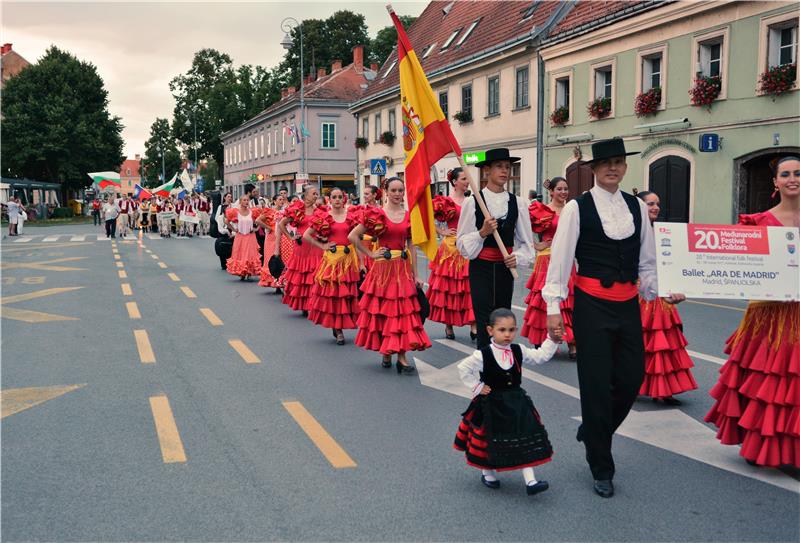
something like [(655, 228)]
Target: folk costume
[(223, 245), (245, 259), (203, 213), (389, 321), (266, 279), (334, 295), (449, 290), (124, 218), (544, 221), (610, 236), (490, 280), (300, 269), (287, 246), (758, 394)]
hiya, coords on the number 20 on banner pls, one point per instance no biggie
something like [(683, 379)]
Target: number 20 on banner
[(735, 239)]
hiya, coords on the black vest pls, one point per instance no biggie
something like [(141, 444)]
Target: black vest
[(604, 258), (504, 226), (498, 378)]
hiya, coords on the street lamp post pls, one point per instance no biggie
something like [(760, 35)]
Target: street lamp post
[(163, 174), (194, 142), (287, 25)]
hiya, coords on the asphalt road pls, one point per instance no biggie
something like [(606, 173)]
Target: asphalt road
[(202, 445)]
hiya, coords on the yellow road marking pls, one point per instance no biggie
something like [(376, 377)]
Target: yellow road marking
[(173, 276), (119, 264), (14, 400), (168, 436), (116, 257), (211, 316), (36, 294), (45, 265), (122, 274), (133, 310), (188, 292), (335, 454), (162, 265), (742, 309), (33, 317), (115, 251), (247, 355), (143, 344), (154, 257), (126, 289), (30, 246)]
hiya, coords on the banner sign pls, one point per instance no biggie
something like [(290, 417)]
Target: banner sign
[(167, 215), (474, 158), (192, 218), (728, 261)]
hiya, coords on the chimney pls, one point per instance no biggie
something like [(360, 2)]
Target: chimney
[(337, 65), (6, 48), (290, 90), (309, 79), (374, 66), (284, 92), (138, 157), (321, 73), (358, 57)]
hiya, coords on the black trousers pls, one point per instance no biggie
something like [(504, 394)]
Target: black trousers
[(491, 286), (111, 228), (96, 216), (608, 337)]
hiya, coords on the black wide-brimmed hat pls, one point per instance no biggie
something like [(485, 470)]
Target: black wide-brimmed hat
[(605, 149), (493, 155)]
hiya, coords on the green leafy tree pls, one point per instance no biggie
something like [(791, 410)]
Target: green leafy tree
[(160, 141), (386, 40), (56, 124)]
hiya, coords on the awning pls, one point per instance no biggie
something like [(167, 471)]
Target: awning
[(284, 177), (334, 177)]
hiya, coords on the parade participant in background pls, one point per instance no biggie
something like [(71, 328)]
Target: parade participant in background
[(179, 203), (245, 260), (609, 233), (188, 211), (203, 210), (544, 222), (667, 366), (300, 269), (372, 198), (266, 221), (110, 214), (125, 210), (758, 394), (133, 219), (165, 223), (494, 375), (490, 280), (334, 296), (96, 207), (390, 321), (283, 249), (154, 209), (252, 191), (448, 290), (223, 246), (144, 215)]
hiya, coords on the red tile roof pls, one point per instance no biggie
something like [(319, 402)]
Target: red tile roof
[(133, 165), (595, 11), (500, 22)]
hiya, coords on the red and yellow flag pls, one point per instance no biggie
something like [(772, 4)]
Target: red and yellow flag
[(426, 139)]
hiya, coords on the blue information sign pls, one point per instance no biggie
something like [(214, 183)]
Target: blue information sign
[(377, 166), (709, 143)]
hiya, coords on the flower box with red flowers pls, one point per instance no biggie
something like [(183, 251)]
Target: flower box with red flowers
[(560, 116), (647, 103), (778, 79), (599, 107), (706, 89)]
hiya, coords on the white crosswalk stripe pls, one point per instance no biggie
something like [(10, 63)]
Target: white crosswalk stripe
[(78, 238), (50, 238), (40, 238), (23, 240)]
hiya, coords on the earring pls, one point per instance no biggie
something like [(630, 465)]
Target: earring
[(774, 193)]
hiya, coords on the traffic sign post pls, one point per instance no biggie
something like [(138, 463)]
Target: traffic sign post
[(377, 166)]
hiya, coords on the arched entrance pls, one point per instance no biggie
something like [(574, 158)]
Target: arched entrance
[(753, 180), (669, 177), (580, 178)]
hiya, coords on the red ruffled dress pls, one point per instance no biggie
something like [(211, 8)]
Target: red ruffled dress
[(758, 392), (287, 247), (667, 366), (389, 321), (334, 296), (266, 279), (300, 269), (544, 222), (245, 258), (448, 284)]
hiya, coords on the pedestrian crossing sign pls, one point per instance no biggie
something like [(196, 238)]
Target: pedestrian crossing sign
[(377, 166)]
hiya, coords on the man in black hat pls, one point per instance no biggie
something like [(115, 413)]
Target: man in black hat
[(608, 232), (490, 281)]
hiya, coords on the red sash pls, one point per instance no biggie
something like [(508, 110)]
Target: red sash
[(493, 254), (618, 292)]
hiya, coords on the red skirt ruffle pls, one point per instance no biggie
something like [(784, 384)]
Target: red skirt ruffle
[(334, 296), (266, 279), (448, 287), (534, 325), (245, 258), (299, 276), (667, 366), (758, 393), (389, 321)]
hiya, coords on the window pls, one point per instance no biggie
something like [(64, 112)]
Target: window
[(449, 40), (777, 43), (365, 128), (378, 129), (466, 34), (329, 135), (494, 96), (262, 144), (389, 69), (275, 139), (128, 172), (602, 82), (283, 139), (392, 121), (428, 50), (514, 180), (710, 54), (782, 45), (562, 92), (269, 143), (466, 100), (443, 103), (651, 72), (521, 98)]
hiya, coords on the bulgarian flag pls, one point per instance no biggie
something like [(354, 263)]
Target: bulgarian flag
[(166, 188), (426, 139), (105, 179)]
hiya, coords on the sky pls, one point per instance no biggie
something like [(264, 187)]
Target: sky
[(139, 47)]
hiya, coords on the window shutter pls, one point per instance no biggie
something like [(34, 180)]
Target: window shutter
[(705, 59), (774, 47)]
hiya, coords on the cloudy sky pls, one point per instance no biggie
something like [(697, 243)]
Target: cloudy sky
[(139, 47)]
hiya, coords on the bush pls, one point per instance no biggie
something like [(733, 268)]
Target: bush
[(63, 213)]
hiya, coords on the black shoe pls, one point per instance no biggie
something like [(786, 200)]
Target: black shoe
[(669, 400), (540, 486), (579, 435), (405, 369), (473, 336), (449, 335), (490, 484), (573, 355), (386, 362), (604, 488)]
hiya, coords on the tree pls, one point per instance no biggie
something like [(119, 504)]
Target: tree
[(160, 140), (56, 124), (386, 40)]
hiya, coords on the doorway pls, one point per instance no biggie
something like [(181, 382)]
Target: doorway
[(580, 178), (753, 179), (669, 178)]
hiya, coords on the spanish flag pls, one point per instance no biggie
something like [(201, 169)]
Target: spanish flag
[(426, 139)]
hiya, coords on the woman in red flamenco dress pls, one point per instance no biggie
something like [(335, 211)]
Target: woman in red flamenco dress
[(372, 198), (266, 221), (300, 270), (758, 392), (272, 246), (667, 366), (389, 321), (334, 296), (245, 259), (544, 221), (448, 290)]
